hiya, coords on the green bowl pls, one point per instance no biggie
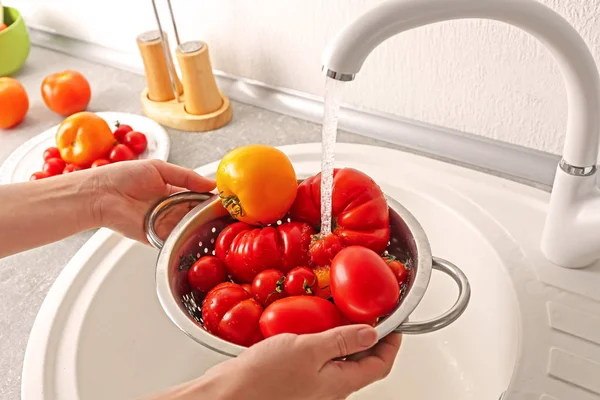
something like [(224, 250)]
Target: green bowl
[(14, 42)]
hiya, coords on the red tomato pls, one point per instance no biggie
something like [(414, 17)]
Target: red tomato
[(247, 250), (247, 287), (323, 249), (54, 166), (267, 286), (231, 313), (399, 269), (100, 162), (66, 92), (362, 285), (299, 315), (206, 273), (121, 153), (121, 131), (359, 210), (39, 175), (136, 141), (300, 281), (51, 152), (71, 168)]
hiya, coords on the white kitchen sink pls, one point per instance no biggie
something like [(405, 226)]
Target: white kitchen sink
[(528, 330)]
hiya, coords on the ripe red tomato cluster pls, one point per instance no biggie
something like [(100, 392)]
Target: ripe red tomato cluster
[(129, 144), (285, 278)]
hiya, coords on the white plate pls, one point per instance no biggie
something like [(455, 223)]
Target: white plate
[(101, 333), (27, 158)]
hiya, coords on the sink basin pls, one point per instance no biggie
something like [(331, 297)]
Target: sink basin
[(101, 332)]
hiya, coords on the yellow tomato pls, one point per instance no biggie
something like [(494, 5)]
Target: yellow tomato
[(257, 184), (84, 137)]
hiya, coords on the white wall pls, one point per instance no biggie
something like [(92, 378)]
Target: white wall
[(477, 76)]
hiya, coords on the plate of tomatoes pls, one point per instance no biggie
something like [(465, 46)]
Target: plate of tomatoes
[(258, 265), (86, 140)]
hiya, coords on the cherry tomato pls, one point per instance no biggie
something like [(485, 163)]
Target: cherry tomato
[(247, 287), (231, 313), (299, 315), (136, 141), (83, 138), (100, 162), (54, 166), (14, 102), (2, 26), (247, 250), (245, 169), (359, 210), (39, 175), (206, 273), (267, 286), (121, 131), (300, 281), (323, 249), (362, 285), (71, 168), (51, 152), (66, 92), (400, 271), (322, 272), (121, 153)]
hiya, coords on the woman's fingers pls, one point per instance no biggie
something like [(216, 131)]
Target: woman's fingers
[(341, 341), (371, 366), (175, 175)]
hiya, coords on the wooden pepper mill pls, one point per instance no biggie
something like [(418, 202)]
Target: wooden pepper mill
[(197, 105)]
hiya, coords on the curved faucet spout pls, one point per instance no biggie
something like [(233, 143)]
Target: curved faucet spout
[(345, 55)]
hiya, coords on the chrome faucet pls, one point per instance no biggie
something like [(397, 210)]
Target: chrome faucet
[(571, 236)]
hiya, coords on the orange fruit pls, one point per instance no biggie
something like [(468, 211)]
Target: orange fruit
[(14, 102)]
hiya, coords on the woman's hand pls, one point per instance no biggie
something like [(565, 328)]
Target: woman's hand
[(295, 367), (127, 190)]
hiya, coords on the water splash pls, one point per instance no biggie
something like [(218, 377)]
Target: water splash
[(333, 94)]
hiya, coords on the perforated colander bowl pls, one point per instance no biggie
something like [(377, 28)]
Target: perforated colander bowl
[(195, 235)]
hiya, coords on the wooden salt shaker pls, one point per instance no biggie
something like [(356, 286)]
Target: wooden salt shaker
[(202, 95), (156, 68)]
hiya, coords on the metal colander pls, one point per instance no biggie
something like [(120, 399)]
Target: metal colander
[(195, 235)]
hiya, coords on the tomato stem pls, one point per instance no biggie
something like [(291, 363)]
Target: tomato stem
[(232, 204), (307, 288)]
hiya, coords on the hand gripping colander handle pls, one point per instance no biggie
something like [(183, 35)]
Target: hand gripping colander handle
[(464, 294), (164, 205)]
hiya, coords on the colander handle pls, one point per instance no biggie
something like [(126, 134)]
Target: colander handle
[(464, 294), (164, 205)]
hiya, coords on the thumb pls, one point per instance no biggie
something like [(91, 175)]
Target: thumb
[(342, 341)]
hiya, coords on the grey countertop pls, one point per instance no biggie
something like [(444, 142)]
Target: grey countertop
[(26, 278)]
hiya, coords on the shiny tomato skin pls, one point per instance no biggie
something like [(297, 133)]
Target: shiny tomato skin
[(39, 175), (359, 209), (247, 287), (267, 286), (66, 92), (300, 281), (121, 131), (71, 168), (247, 250), (14, 102), (121, 153), (51, 152), (136, 141), (100, 162), (230, 312), (323, 249), (299, 315), (400, 271), (54, 166), (206, 273), (362, 285)]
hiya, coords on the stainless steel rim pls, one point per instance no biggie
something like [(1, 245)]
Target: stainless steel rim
[(464, 295), (164, 205)]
